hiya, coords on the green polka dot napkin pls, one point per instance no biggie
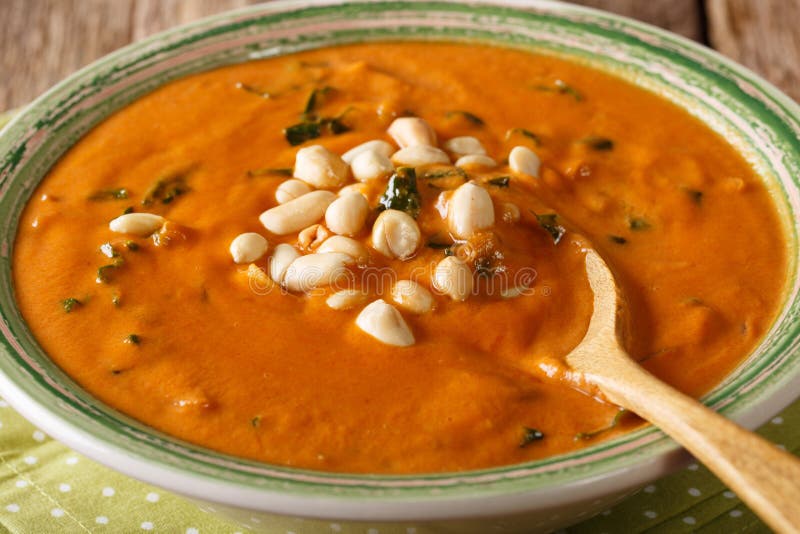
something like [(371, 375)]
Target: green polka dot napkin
[(45, 487)]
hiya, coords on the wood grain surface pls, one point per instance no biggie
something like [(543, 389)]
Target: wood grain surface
[(761, 35), (42, 41)]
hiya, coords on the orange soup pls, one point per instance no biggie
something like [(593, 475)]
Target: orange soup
[(370, 258)]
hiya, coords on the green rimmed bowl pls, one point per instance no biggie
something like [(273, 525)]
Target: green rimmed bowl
[(763, 124)]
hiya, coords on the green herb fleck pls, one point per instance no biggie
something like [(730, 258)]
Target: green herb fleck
[(315, 99), (438, 246), (255, 422), (127, 210), (115, 300), (484, 266), (445, 178), (302, 132), (529, 435), (561, 88), (471, 117), (132, 245), (565, 89), (306, 130), (133, 339), (598, 143), (637, 224), (487, 260), (335, 125), (109, 194), (446, 173), (549, 222), (617, 239), (500, 181), (270, 172), (104, 271), (437, 242), (614, 422), (70, 304), (526, 133), (312, 126), (401, 192), (695, 195), (165, 190), (254, 90)]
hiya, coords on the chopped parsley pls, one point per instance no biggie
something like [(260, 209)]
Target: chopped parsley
[(282, 171), (300, 133), (530, 435), (470, 117), (315, 99), (104, 271), (445, 173), (402, 193), (165, 190), (70, 304), (445, 179), (132, 339), (637, 224), (562, 88), (488, 265), (695, 195), (500, 181), (109, 194), (549, 223), (438, 246), (617, 239), (312, 125), (525, 133), (601, 144)]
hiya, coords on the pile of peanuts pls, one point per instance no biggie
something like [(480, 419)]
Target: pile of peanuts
[(307, 198)]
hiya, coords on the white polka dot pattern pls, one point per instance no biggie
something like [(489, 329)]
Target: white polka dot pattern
[(67, 487)]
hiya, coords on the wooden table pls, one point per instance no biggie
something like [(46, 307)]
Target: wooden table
[(42, 41)]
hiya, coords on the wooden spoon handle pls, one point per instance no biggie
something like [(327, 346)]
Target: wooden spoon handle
[(761, 474)]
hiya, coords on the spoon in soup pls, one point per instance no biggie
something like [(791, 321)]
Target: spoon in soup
[(761, 474)]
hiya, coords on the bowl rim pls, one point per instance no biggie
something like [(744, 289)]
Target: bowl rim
[(377, 504)]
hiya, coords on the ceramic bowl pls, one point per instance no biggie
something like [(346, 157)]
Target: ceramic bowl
[(761, 122)]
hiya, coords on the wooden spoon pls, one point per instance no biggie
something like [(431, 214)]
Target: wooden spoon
[(761, 474)]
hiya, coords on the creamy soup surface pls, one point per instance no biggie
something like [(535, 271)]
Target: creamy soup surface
[(164, 319)]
